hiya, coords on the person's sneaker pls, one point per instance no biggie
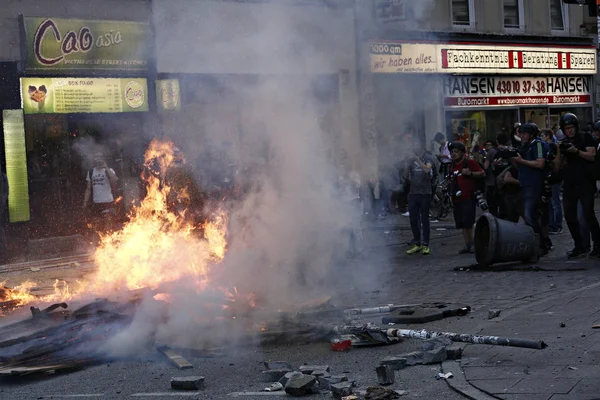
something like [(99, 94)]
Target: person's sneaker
[(576, 253), (414, 250), (595, 253), (556, 231), (425, 251), (466, 250), (406, 214), (548, 244)]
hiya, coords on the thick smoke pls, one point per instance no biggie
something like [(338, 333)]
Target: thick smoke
[(281, 136)]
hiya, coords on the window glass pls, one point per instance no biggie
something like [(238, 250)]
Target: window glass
[(511, 14), (556, 15), (461, 12)]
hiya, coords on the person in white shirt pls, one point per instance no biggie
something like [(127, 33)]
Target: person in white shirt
[(100, 183), (444, 156)]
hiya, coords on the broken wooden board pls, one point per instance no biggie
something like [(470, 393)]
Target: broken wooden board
[(175, 358), (20, 371)]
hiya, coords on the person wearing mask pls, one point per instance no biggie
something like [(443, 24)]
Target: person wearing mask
[(419, 171), (532, 172), (464, 172), (555, 204), (444, 156), (579, 183)]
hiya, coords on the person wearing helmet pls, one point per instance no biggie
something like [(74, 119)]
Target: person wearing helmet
[(579, 183), (531, 166), (464, 171)]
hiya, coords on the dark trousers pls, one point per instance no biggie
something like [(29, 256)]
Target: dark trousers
[(571, 196), (495, 202), (532, 196), (418, 207)]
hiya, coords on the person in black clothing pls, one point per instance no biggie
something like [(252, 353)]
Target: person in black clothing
[(579, 184), (512, 194)]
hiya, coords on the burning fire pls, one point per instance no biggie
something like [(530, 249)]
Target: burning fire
[(21, 294), (160, 243)]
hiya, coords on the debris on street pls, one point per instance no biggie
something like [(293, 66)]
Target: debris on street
[(175, 358), (187, 383), (441, 375), (494, 313), (274, 387), (379, 393), (385, 375), (300, 385), (342, 389)]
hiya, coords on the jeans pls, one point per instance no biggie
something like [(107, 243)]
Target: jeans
[(418, 207), (583, 193), (556, 214), (531, 201), (583, 227)]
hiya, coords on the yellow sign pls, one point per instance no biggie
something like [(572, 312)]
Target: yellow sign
[(83, 95), (16, 165)]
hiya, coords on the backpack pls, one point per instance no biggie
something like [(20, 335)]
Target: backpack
[(500, 178)]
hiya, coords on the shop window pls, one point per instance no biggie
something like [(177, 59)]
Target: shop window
[(462, 13), (558, 16), (513, 14)]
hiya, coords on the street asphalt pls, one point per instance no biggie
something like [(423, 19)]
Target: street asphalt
[(556, 301)]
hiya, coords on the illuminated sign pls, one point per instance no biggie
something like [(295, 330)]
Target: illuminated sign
[(16, 165), (471, 91), (83, 95), (389, 57)]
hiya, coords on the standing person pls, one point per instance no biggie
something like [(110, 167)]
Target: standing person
[(555, 204), (100, 182), (419, 172), (445, 159), (491, 193), (512, 193), (532, 173), (464, 171), (579, 183)]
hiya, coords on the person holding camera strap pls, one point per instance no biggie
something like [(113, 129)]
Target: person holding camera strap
[(579, 183), (532, 172), (465, 173)]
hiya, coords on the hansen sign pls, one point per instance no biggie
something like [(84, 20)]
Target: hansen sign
[(54, 44), (391, 57)]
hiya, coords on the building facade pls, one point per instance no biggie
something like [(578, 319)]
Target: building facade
[(472, 68)]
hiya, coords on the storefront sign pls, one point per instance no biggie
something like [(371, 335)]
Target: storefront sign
[(54, 44), (476, 91), (83, 95), (16, 165), (168, 95), (387, 57)]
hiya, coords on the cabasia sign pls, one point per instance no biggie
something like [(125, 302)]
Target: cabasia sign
[(466, 58), (53, 44), (477, 91)]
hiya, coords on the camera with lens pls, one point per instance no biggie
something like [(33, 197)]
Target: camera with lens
[(481, 200), (564, 145), (456, 192)]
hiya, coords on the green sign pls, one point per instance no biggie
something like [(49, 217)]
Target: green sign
[(168, 95), (83, 95), (54, 44), (16, 165)]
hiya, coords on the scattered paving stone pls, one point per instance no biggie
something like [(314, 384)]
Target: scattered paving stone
[(278, 365), (309, 369), (494, 313), (435, 356), (326, 381), (385, 375), (301, 385), (434, 343), (289, 376), (342, 389), (454, 351), (274, 387), (187, 383), (397, 363), (273, 375), (414, 358), (379, 393), (562, 325), (320, 373)]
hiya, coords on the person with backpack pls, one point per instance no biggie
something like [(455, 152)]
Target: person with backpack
[(419, 172), (100, 182), (532, 173), (579, 183), (465, 173), (492, 168)]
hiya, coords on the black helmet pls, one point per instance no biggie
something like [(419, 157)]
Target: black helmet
[(596, 126), (530, 128), (457, 145), (569, 119)]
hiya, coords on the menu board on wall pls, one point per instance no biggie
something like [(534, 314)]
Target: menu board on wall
[(83, 95), (16, 165)]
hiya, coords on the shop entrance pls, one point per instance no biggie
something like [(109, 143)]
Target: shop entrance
[(60, 150)]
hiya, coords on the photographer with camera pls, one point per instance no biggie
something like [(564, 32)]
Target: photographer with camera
[(464, 172), (532, 172), (579, 183)]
